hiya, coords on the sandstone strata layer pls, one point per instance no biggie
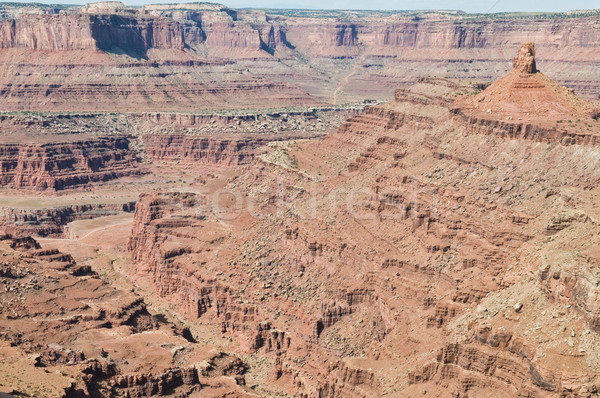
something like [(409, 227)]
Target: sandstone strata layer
[(57, 166), (394, 258), (189, 57), (67, 333)]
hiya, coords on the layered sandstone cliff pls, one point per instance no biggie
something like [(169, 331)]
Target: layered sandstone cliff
[(194, 150), (57, 166), (250, 59), (395, 258)]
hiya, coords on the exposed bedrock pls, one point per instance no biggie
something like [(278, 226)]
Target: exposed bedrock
[(51, 222), (133, 34), (57, 314), (159, 258), (148, 385), (252, 59), (345, 380), (96, 32), (525, 130), (417, 249), (51, 291), (446, 33), (58, 166), (256, 119), (498, 361), (155, 95), (139, 31), (524, 61), (196, 150)]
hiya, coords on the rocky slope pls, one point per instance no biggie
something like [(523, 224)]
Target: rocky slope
[(52, 152), (207, 56), (68, 333), (406, 254)]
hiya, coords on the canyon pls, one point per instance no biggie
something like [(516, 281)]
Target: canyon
[(425, 266), (206, 56), (197, 201)]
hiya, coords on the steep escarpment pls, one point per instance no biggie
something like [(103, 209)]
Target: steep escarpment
[(117, 59), (136, 35), (57, 166), (202, 56), (68, 32), (158, 255), (172, 232), (404, 254), (46, 32), (197, 150)]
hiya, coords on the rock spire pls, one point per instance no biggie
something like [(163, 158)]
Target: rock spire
[(524, 61)]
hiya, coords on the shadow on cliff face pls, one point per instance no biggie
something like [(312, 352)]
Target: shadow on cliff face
[(119, 51), (120, 35)]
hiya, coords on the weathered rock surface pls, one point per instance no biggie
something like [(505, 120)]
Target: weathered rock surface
[(196, 150), (56, 166), (524, 61), (51, 222), (527, 104), (444, 242), (393, 255), (184, 58), (89, 337)]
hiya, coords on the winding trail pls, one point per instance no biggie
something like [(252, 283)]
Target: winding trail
[(344, 82)]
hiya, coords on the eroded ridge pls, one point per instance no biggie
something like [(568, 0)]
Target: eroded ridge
[(394, 244)]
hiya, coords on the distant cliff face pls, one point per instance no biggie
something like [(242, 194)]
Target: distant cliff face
[(47, 32), (136, 35), (211, 50), (97, 32), (168, 28), (455, 33)]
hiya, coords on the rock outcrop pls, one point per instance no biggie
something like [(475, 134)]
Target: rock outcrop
[(527, 104), (404, 261), (57, 314), (57, 166), (251, 58), (195, 150), (444, 242), (106, 32), (524, 61), (137, 386)]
